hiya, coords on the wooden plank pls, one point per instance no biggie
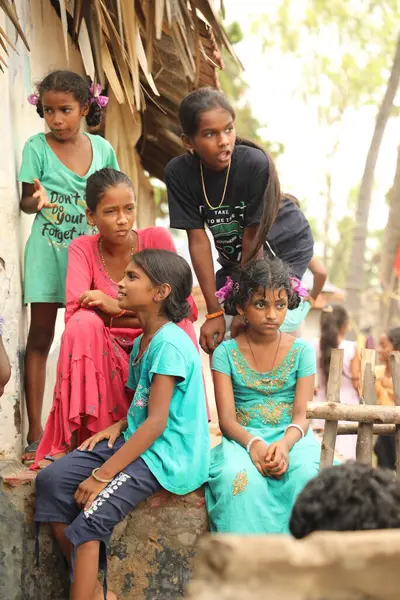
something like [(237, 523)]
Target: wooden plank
[(354, 412), (365, 433), (394, 361), (352, 429), (333, 395)]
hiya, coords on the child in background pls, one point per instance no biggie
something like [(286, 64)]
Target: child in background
[(5, 371), (334, 324), (347, 497), (163, 442), (385, 447), (229, 185), (54, 171), (263, 380)]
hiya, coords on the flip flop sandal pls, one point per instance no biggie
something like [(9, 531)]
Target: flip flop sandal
[(32, 447), (50, 458)]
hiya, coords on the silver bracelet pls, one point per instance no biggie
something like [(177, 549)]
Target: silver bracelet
[(299, 427), (250, 443)]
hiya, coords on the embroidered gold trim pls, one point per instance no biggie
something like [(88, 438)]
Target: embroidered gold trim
[(239, 483)]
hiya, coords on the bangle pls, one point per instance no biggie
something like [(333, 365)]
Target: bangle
[(99, 479), (251, 442), (116, 317), (299, 427), (216, 314)]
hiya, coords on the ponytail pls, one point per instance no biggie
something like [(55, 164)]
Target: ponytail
[(333, 319), (272, 199)]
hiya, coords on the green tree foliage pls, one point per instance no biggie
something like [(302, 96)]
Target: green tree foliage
[(345, 48)]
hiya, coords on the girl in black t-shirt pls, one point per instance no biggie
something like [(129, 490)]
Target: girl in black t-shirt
[(230, 185)]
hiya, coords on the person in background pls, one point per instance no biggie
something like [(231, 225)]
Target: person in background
[(385, 447), (5, 370), (55, 168), (263, 380), (333, 326), (348, 497), (229, 185), (92, 367)]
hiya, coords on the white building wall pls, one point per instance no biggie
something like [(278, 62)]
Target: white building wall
[(18, 121)]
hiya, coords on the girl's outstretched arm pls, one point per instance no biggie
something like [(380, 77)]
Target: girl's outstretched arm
[(5, 371), (320, 274), (34, 198), (162, 388)]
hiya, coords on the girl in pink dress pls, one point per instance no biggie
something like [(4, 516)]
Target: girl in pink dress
[(92, 367), (334, 324)]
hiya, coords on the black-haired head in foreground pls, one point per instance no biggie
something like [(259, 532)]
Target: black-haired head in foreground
[(162, 266), (267, 274), (348, 497), (69, 81)]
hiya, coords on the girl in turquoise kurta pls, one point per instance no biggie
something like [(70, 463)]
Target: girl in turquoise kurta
[(54, 171), (263, 380)]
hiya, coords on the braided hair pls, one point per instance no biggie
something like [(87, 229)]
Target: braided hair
[(68, 81)]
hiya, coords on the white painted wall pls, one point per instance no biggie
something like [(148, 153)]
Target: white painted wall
[(18, 121)]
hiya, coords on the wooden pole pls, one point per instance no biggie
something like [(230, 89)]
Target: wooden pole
[(394, 361), (352, 429), (333, 396), (388, 415), (365, 434)]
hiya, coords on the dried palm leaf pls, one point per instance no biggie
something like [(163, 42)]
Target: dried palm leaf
[(111, 74), (143, 63), (64, 22), (93, 23), (5, 36), (159, 17), (78, 16), (130, 25), (86, 50), (12, 15), (150, 21)]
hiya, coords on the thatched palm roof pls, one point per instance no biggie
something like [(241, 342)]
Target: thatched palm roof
[(149, 53)]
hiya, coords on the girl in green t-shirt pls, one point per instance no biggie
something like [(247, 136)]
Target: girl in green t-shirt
[(162, 443), (54, 171)]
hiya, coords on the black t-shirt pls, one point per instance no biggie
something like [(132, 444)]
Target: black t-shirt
[(242, 206), (290, 237)]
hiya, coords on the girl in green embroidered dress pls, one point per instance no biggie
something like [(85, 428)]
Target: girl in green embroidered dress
[(263, 380)]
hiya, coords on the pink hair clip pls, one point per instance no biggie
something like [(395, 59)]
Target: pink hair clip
[(101, 101), (298, 287), (33, 99), (224, 292)]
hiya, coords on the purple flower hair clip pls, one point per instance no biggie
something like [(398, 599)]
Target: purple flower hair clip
[(298, 287), (224, 292), (101, 101), (33, 99)]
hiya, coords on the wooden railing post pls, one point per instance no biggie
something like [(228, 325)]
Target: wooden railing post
[(394, 361), (366, 430), (332, 395)]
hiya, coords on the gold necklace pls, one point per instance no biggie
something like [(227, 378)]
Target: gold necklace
[(204, 187), (254, 358), (101, 252)]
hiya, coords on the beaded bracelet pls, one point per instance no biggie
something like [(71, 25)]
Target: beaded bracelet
[(99, 479), (299, 427), (121, 314), (251, 442), (216, 314)]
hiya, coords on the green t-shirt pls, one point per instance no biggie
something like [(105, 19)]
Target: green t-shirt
[(180, 458), (53, 229)]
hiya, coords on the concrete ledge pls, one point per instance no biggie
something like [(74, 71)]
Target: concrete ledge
[(325, 566), (151, 551)]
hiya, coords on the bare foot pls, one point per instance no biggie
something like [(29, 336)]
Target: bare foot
[(99, 594), (42, 464)]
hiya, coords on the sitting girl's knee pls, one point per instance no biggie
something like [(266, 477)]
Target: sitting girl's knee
[(84, 321), (47, 482)]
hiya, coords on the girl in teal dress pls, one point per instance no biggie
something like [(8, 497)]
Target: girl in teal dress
[(263, 380)]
